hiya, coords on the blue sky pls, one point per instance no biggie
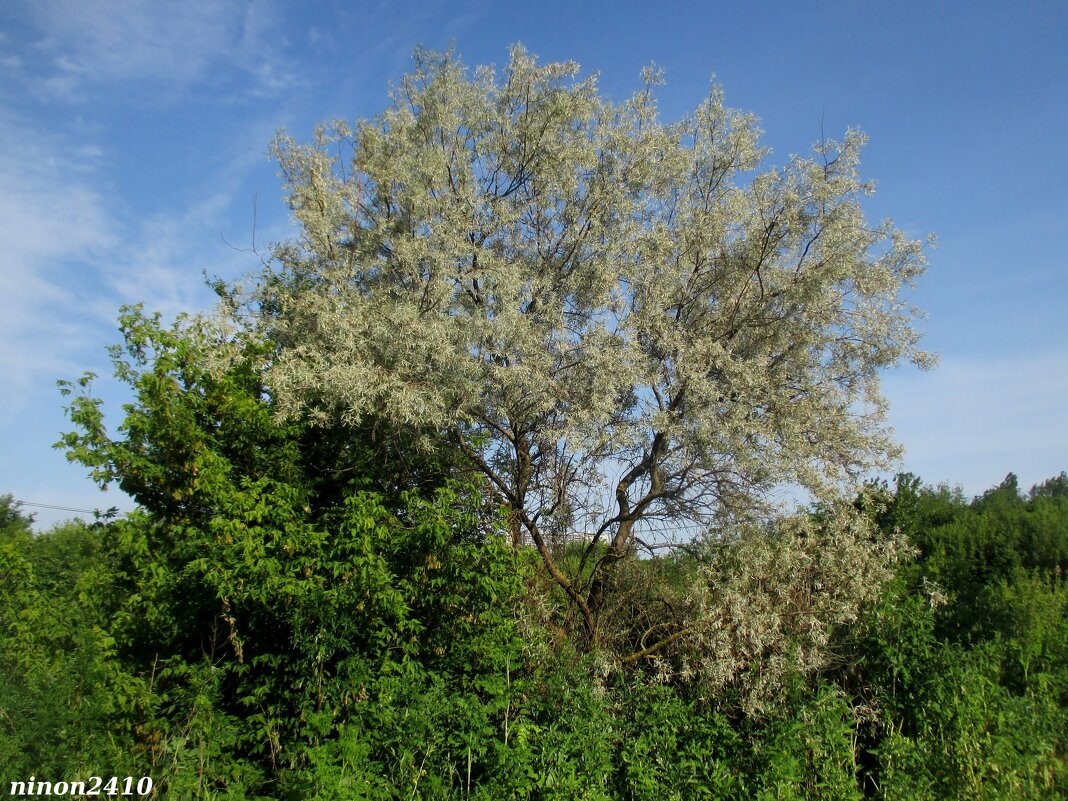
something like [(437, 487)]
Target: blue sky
[(132, 140)]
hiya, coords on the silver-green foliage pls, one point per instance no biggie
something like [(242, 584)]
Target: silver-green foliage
[(619, 319), (766, 606), (742, 618)]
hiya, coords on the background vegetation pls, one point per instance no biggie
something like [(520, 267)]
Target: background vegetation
[(310, 612)]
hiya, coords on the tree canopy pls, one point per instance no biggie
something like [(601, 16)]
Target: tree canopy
[(622, 323)]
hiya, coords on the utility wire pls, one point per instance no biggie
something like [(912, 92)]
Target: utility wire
[(60, 508)]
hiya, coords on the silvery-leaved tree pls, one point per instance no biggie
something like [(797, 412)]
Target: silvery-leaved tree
[(628, 326)]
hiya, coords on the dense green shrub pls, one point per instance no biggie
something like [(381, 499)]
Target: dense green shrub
[(965, 657), (61, 690)]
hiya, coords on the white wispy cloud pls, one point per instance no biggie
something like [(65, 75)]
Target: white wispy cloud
[(76, 45), (164, 263), (53, 224), (971, 421), (72, 252)]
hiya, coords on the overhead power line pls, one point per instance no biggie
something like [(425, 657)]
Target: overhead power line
[(59, 508)]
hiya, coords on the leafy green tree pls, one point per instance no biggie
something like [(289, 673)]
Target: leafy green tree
[(286, 592), (1056, 487), (618, 320), (13, 523)]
